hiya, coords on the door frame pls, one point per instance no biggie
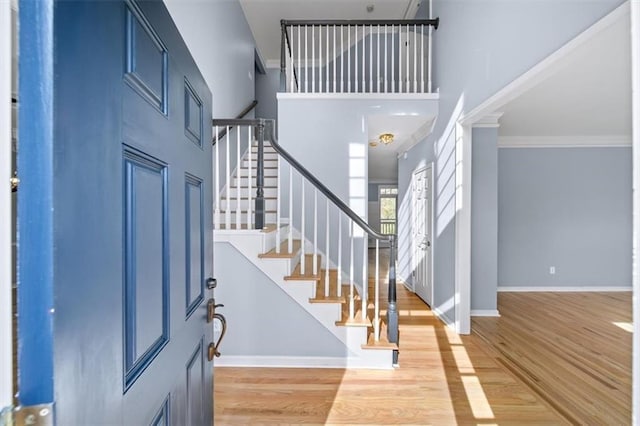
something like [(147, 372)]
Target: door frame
[(6, 258), (430, 168), (635, 77)]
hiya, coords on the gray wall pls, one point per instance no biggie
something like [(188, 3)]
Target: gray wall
[(484, 219), (481, 46), (262, 319), (565, 207), (267, 85)]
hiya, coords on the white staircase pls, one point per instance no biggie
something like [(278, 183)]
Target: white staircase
[(279, 253)]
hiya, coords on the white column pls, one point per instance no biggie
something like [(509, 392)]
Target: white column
[(6, 257)]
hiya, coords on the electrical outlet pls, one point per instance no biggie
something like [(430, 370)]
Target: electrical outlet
[(552, 270)]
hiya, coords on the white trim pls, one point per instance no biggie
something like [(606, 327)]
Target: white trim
[(544, 68), (383, 182), (259, 361), (612, 141), (361, 96), (489, 121), (485, 313), (635, 84), (272, 64), (560, 289), (463, 229), (444, 318), (416, 137), (6, 260)]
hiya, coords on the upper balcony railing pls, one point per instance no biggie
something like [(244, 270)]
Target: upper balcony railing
[(347, 56)]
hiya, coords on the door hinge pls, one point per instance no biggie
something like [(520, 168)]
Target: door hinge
[(14, 181), (33, 415)]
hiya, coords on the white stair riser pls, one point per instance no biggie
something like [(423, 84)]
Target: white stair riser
[(269, 203), (269, 217), (254, 163), (244, 193), (244, 181), (244, 172), (269, 154)]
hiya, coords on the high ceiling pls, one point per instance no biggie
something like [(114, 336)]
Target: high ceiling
[(264, 16)]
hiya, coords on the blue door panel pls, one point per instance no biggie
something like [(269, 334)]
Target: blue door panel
[(129, 218), (146, 280)]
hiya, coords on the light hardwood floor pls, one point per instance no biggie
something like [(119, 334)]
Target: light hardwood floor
[(442, 380), (571, 348)]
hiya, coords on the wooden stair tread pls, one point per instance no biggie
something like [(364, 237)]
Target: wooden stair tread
[(296, 275), (284, 251), (383, 343), (333, 289)]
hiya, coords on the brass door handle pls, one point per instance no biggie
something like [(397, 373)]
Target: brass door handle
[(213, 347), (211, 309)]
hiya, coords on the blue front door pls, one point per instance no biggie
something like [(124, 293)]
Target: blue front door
[(114, 216)]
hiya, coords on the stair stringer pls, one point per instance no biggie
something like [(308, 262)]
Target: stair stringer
[(253, 243)]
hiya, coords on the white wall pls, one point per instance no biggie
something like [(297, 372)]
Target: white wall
[(6, 260)]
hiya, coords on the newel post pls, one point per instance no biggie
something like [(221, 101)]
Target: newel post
[(259, 207), (393, 333)]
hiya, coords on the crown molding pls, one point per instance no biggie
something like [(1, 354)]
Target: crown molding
[(488, 121), (610, 141)]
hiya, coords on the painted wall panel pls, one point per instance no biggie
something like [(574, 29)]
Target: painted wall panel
[(564, 207)]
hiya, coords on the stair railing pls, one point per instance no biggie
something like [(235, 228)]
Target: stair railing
[(250, 213), (356, 56)]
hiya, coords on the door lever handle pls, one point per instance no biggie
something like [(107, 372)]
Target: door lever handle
[(211, 309), (213, 347)]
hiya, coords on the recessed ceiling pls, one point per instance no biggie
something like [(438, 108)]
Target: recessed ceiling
[(588, 95), (264, 16)]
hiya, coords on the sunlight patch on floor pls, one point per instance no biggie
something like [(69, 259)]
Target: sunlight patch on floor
[(626, 326), (477, 399)]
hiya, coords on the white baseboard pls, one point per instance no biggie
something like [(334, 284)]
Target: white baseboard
[(485, 313), (291, 362), (574, 289), (444, 318)]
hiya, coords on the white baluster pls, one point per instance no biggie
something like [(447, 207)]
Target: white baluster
[(407, 55), (326, 63), (400, 59), (278, 208), (415, 58), (315, 232), (429, 61), (341, 59), (422, 58), (302, 227), (365, 279), (327, 256), (293, 64), (306, 60), (313, 59), (290, 242), (351, 301), (376, 307), (249, 183), (339, 253), (386, 48), (349, 58), (355, 58), (299, 64), (217, 167), (393, 59), (335, 59), (370, 59), (378, 67), (364, 61), (238, 181), (227, 211)]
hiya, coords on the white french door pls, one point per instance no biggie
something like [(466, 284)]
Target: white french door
[(421, 233)]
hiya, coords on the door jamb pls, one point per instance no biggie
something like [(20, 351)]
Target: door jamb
[(6, 258)]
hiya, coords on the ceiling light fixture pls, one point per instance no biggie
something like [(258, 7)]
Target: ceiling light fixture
[(386, 138), (373, 144)]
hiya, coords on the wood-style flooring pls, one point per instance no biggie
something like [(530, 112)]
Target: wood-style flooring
[(573, 349), (443, 379)]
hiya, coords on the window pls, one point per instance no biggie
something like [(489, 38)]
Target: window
[(388, 197)]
